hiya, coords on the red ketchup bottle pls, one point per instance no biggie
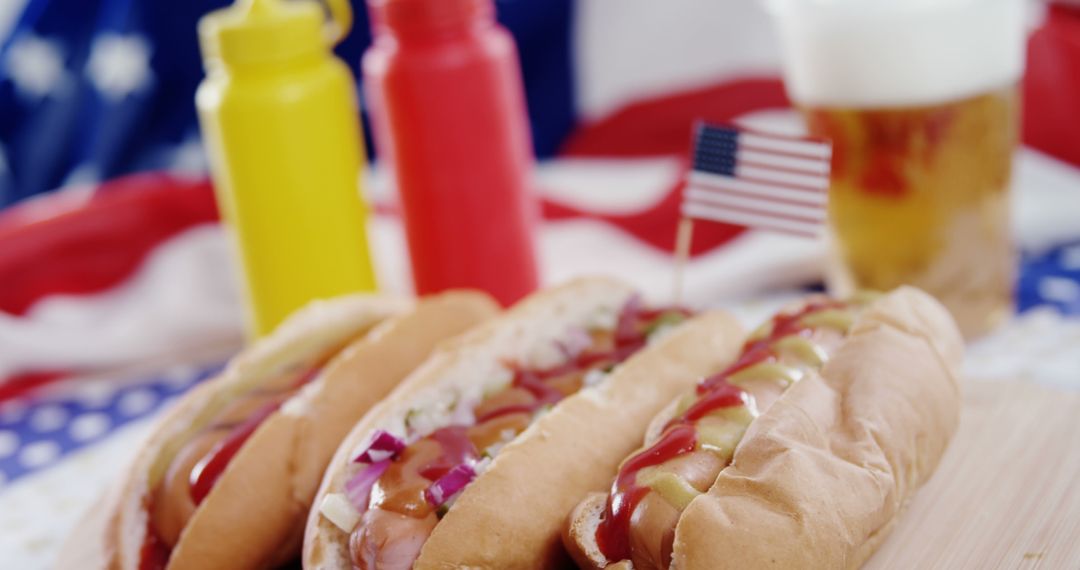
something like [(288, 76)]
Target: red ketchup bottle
[(448, 111)]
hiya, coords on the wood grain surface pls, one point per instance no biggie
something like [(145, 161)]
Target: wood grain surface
[(1007, 493)]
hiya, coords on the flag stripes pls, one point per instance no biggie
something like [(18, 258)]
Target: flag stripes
[(769, 182)]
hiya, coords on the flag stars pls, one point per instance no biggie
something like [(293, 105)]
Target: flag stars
[(119, 65), (1070, 258), (35, 66), (4, 168), (188, 157)]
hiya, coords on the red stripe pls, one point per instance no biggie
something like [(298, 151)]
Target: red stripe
[(788, 230), (662, 126), (784, 185), (656, 226), (739, 193), (731, 126), (780, 168), (780, 136), (20, 384), (782, 153), (756, 212), (779, 185), (778, 227), (86, 246)]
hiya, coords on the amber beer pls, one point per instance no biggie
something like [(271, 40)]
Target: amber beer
[(920, 196), (919, 99)]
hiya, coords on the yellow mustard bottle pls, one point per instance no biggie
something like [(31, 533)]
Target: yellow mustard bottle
[(280, 124)]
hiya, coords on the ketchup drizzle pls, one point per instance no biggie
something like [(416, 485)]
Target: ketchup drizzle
[(506, 411), (207, 471), (534, 383), (723, 395), (756, 355), (456, 449), (629, 337), (153, 555), (679, 435), (613, 534)]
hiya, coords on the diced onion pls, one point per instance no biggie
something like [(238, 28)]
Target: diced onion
[(594, 377), (505, 437), (338, 510), (576, 341), (449, 485), (358, 489), (626, 326), (482, 465), (384, 445)]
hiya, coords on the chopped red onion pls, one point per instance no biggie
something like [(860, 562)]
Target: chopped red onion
[(449, 485), (384, 445), (626, 327), (576, 341), (358, 489)]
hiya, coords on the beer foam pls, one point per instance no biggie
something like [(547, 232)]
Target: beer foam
[(877, 53)]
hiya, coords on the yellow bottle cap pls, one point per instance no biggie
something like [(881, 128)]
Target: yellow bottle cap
[(267, 31), (340, 21)]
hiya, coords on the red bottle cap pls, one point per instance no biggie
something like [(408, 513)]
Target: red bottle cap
[(428, 16)]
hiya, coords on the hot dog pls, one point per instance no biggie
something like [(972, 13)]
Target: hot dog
[(801, 454), (226, 477), (476, 458)]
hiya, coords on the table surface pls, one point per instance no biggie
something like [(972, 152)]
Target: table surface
[(1007, 493)]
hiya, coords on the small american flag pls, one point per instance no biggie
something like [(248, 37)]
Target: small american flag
[(758, 180)]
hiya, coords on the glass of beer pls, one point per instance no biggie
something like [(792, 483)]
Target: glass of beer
[(919, 98)]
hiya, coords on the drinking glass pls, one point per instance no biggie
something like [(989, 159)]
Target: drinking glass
[(920, 101)]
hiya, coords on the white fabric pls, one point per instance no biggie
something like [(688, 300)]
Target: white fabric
[(628, 50), (184, 299), (9, 14)]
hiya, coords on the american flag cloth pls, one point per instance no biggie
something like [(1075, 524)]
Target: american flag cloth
[(95, 89), (757, 180)]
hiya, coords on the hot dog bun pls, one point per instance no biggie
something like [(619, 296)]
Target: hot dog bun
[(253, 516), (513, 514), (819, 479), (510, 516)]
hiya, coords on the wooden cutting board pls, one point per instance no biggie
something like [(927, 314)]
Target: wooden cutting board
[(1007, 493)]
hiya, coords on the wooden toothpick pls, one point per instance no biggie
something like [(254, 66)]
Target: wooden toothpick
[(682, 255)]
